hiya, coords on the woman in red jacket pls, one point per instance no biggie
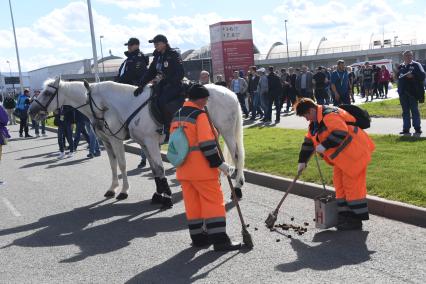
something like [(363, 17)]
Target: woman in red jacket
[(384, 78)]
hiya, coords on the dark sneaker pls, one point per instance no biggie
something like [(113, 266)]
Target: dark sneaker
[(28, 136), (418, 131), (405, 132), (90, 156), (97, 154), (167, 202), (20, 135), (228, 246)]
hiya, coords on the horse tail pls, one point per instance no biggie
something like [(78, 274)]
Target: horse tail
[(238, 159)]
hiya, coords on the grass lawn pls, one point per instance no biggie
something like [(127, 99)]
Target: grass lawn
[(389, 108), (396, 171)]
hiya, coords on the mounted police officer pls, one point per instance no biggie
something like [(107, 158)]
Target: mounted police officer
[(167, 67), (134, 67), (131, 72)]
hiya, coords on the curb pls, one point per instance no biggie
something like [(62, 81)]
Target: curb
[(378, 206)]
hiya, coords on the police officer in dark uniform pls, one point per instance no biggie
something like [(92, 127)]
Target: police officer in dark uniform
[(167, 67), (134, 67), (131, 72)]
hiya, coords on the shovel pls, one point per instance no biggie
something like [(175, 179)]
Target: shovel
[(247, 239), (272, 217)]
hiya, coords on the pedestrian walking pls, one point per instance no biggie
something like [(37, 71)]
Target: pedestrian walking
[(304, 83), (275, 91), (199, 175), (239, 87), (9, 104), (340, 84), (384, 79), (320, 80), (410, 89), (4, 134), (263, 91), (348, 149), (22, 106), (367, 81), (253, 83)]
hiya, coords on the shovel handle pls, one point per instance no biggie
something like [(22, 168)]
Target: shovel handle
[(234, 196), (287, 192)]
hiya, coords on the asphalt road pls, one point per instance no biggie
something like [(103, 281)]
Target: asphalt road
[(56, 227)]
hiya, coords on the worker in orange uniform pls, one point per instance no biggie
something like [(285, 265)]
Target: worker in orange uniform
[(348, 149), (199, 175)]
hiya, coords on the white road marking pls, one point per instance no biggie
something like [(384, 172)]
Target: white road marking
[(10, 206)]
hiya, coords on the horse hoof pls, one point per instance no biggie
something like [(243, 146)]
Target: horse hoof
[(156, 199), (122, 196), (109, 194), (167, 203)]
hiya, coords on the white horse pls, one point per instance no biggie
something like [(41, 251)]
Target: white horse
[(108, 105)]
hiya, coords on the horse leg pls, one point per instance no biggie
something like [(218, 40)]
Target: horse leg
[(231, 146), (163, 193), (113, 163), (120, 154)]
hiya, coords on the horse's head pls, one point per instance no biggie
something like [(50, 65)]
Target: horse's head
[(47, 101)]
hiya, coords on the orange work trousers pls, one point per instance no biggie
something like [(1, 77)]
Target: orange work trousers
[(203, 199), (351, 192)]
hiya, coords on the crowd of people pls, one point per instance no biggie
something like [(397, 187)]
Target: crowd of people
[(260, 89)]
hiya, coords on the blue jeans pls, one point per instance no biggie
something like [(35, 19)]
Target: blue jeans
[(93, 141), (409, 104), (256, 105), (80, 129), (65, 132), (37, 127), (264, 101)]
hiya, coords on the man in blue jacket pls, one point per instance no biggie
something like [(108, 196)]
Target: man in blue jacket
[(410, 89), (22, 106)]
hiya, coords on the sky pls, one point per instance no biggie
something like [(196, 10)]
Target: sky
[(57, 31)]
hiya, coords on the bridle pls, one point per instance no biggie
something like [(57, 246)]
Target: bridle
[(55, 94)]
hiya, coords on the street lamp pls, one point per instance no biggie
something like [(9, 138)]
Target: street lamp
[(17, 52), (286, 42), (102, 55), (92, 34), (10, 76)]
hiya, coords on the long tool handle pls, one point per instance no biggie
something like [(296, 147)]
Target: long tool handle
[(287, 192), (234, 196), (320, 172)]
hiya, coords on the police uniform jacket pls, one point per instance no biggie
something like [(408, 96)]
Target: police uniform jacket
[(169, 65), (134, 68)]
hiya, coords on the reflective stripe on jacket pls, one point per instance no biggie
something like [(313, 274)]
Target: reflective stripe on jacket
[(203, 159), (348, 147)]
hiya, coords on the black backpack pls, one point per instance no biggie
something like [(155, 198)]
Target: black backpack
[(9, 103), (362, 116)]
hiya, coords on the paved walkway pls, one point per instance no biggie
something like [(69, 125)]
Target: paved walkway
[(378, 125), (56, 227)]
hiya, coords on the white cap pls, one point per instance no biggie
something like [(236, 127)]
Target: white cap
[(261, 70)]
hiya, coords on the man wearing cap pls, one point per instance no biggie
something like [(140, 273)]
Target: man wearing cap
[(168, 68), (134, 67), (199, 175), (131, 72)]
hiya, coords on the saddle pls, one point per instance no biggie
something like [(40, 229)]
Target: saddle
[(163, 114)]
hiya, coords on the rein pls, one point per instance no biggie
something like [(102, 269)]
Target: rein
[(93, 104)]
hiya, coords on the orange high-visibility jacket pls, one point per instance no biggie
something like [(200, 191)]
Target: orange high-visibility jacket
[(203, 160), (348, 147)]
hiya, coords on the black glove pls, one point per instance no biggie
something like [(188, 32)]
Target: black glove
[(138, 91)]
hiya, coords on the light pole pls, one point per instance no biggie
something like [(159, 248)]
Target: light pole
[(102, 56), (92, 33), (10, 76), (17, 52), (286, 42)]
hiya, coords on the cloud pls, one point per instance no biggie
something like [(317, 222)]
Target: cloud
[(133, 4)]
